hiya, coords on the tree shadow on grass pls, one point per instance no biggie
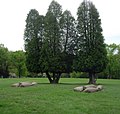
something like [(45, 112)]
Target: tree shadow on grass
[(73, 83), (64, 84), (44, 83)]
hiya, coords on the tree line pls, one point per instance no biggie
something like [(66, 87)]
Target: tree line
[(13, 64)]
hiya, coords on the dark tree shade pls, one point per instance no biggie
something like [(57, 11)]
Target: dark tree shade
[(92, 55)]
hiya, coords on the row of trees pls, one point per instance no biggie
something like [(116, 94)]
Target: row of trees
[(112, 71), (12, 63), (3, 61), (113, 67), (57, 43)]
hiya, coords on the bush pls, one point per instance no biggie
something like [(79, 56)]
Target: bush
[(65, 75), (75, 74)]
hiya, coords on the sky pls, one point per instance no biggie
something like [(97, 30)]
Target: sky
[(13, 14)]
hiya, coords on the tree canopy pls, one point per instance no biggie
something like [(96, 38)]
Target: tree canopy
[(17, 63), (4, 61), (33, 37), (55, 41), (92, 55)]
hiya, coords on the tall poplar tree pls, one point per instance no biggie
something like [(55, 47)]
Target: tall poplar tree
[(92, 55), (52, 45), (33, 37)]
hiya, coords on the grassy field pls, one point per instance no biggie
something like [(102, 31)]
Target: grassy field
[(46, 98)]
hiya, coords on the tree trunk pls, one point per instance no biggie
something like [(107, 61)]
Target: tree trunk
[(19, 71), (49, 78), (55, 79), (92, 79), (58, 77)]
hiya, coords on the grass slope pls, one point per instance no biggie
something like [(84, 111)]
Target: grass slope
[(46, 98)]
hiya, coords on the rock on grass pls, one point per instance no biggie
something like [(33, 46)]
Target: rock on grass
[(89, 88)]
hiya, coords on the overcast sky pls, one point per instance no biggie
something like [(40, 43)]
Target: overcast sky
[(13, 14)]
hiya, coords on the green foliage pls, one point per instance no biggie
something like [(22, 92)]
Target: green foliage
[(68, 40), (53, 42), (68, 32), (56, 9), (92, 55), (43, 41), (113, 67), (52, 45), (59, 40), (4, 61), (33, 37), (3, 56), (17, 63), (75, 74)]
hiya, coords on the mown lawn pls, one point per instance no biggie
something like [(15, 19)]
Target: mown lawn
[(46, 98)]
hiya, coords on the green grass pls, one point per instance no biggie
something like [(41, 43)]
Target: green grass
[(46, 98)]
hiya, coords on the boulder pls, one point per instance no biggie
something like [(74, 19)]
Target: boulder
[(90, 90), (34, 83), (15, 85), (99, 87), (90, 86), (24, 84), (79, 89)]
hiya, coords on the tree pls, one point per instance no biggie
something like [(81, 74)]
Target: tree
[(33, 37), (113, 67), (60, 33), (17, 63), (52, 46), (68, 40), (4, 62), (91, 55), (68, 32), (56, 9)]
